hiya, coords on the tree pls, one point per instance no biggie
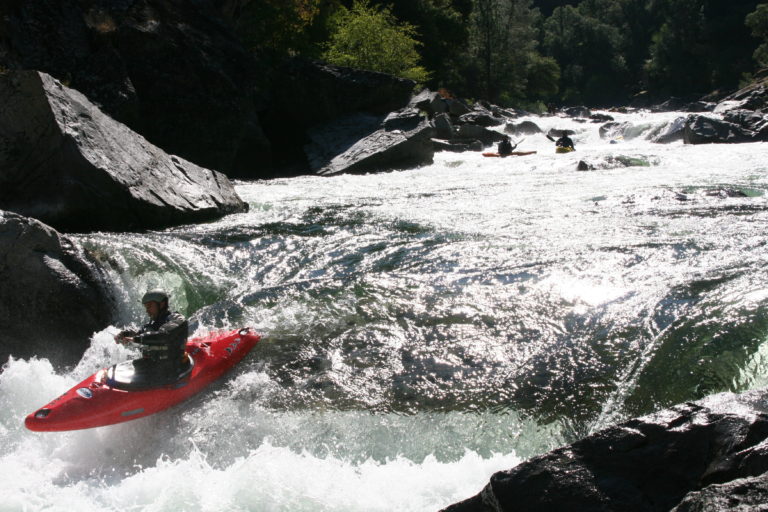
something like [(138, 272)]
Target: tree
[(443, 30), (502, 43), (368, 37), (590, 54), (281, 26), (701, 46), (757, 21)]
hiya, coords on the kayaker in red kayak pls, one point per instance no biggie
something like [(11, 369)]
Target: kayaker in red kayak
[(162, 340)]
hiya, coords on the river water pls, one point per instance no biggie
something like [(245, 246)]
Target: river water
[(422, 329)]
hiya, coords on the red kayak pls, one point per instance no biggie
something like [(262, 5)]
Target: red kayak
[(514, 153), (116, 394)]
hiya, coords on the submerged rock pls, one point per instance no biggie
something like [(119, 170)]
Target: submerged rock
[(54, 296), (679, 457), (615, 162), (68, 164)]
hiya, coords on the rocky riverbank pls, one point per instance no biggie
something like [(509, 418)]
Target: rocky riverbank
[(701, 456)]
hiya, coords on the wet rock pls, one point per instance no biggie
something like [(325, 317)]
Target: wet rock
[(752, 97), (457, 146), (405, 120), (443, 126), (68, 164), (615, 162), (360, 144), (484, 135), (671, 132), (684, 105), (724, 193), (577, 112), (676, 457), (458, 108), (755, 122), (613, 129), (172, 71), (54, 295), (523, 128), (601, 118), (480, 118), (741, 495), (701, 129)]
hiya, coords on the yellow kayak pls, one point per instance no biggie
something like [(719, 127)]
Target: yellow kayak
[(563, 149)]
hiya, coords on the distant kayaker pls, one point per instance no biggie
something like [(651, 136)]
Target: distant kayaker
[(565, 142), (162, 340), (506, 147)]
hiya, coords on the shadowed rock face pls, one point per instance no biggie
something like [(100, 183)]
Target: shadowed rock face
[(66, 163), (53, 296), (680, 456), (360, 144), (171, 70)]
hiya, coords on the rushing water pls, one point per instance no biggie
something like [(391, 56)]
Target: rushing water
[(423, 329)]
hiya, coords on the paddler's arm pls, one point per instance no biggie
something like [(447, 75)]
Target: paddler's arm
[(175, 323)]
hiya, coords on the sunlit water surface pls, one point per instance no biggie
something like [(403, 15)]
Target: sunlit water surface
[(422, 329)]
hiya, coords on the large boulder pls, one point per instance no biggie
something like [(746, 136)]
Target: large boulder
[(68, 164), (675, 457), (670, 132), (306, 94), (523, 128), (171, 70), (54, 296), (701, 129), (363, 143)]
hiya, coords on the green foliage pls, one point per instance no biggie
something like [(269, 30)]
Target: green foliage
[(503, 46), (281, 26), (700, 46), (590, 53), (757, 21), (367, 37)]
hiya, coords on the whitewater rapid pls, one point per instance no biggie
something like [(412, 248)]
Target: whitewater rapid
[(423, 328)]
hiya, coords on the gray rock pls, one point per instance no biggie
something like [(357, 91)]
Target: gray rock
[(480, 118), (615, 162), (701, 129), (405, 120), (54, 296), (577, 112), (671, 132), (68, 164), (523, 128), (614, 130), (484, 135), (360, 144), (443, 126), (751, 97), (457, 146), (646, 464), (741, 495), (756, 122), (457, 108)]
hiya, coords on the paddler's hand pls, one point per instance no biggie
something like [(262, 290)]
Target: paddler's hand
[(123, 340)]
